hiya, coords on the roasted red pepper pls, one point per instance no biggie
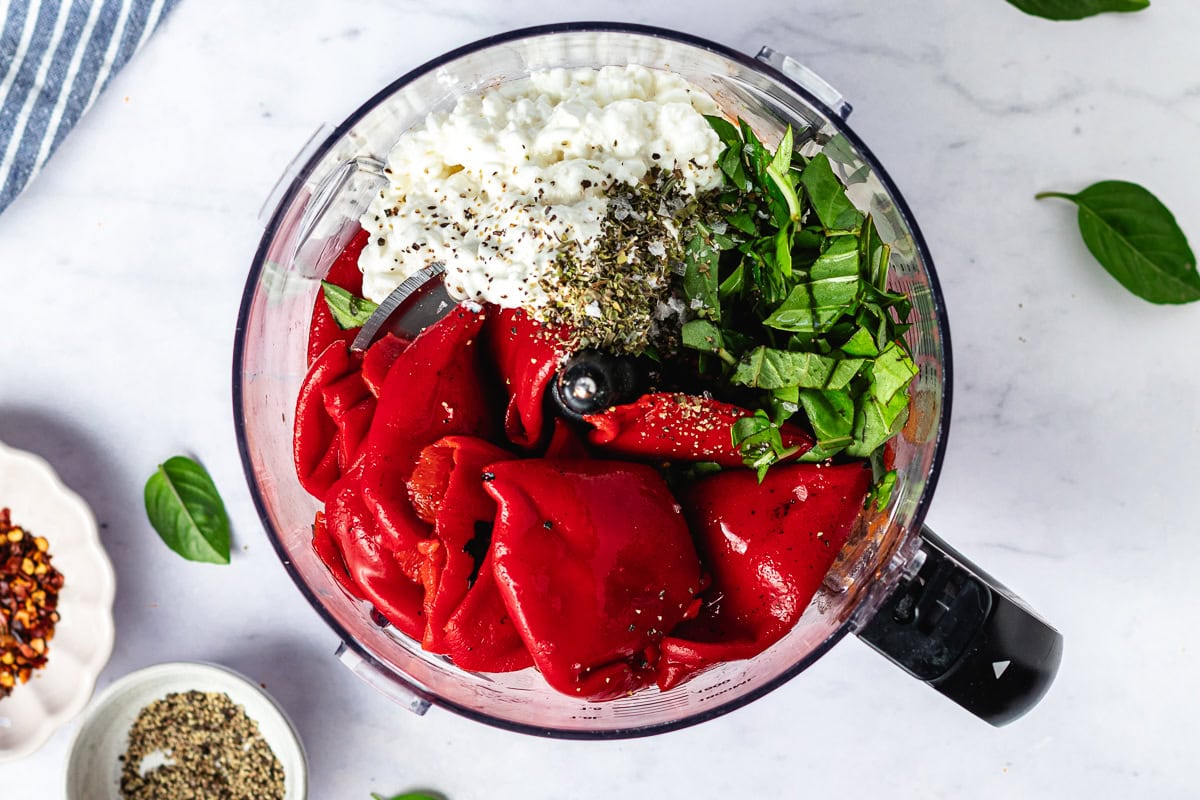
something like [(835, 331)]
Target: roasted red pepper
[(343, 272), (368, 549), (448, 481), (526, 356), (332, 387), (435, 387), (378, 360), (330, 556), (678, 427), (595, 564), (767, 547)]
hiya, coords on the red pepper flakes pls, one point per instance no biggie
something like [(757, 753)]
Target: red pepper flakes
[(29, 588)]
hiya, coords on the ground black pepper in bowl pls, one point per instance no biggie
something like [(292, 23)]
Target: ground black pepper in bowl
[(198, 746)]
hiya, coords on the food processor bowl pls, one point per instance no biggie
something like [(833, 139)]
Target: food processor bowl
[(890, 560)]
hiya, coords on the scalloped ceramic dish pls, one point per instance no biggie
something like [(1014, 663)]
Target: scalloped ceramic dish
[(83, 639)]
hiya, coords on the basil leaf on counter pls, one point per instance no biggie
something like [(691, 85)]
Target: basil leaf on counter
[(348, 310), (185, 508), (1136, 238), (407, 796), (1076, 9)]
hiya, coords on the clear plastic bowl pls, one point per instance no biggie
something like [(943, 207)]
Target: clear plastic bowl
[(317, 213)]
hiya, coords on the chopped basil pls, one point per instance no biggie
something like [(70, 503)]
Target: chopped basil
[(785, 284), (348, 310)]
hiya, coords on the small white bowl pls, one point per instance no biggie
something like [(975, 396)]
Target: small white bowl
[(94, 770), (83, 638)]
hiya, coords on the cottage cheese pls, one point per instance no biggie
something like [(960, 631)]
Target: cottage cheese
[(495, 188)]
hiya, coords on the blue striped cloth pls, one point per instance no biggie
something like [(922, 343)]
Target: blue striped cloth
[(56, 56)]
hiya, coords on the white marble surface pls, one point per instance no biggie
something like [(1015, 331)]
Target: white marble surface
[(1071, 471)]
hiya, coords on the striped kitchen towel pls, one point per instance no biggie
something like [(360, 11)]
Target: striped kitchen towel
[(56, 56)]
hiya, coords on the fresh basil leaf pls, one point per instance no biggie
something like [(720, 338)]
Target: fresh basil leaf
[(782, 160), (1136, 238), (781, 192), (881, 494), (733, 284), (1076, 9), (891, 371), (831, 291), (743, 221), (875, 254), (732, 166), (875, 422), (861, 343), (758, 440), (828, 196), (407, 796), (831, 414), (348, 310), (700, 334), (725, 130), (700, 277), (185, 508), (770, 368), (783, 250)]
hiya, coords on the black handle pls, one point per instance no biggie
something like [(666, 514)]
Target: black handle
[(961, 631)]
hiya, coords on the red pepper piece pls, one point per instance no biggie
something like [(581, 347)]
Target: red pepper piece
[(332, 559), (527, 356), (378, 360), (368, 549), (565, 442), (594, 561), (678, 427), (465, 513), (344, 272), (315, 444), (434, 388), (767, 547), (351, 407), (481, 635)]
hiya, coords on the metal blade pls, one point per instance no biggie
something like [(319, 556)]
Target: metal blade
[(413, 306)]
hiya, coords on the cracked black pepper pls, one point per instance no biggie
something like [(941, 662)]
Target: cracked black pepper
[(198, 746)]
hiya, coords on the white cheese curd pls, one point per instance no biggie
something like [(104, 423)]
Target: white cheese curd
[(495, 187)]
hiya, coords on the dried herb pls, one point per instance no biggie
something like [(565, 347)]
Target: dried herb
[(29, 587), (197, 746), (608, 298)]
